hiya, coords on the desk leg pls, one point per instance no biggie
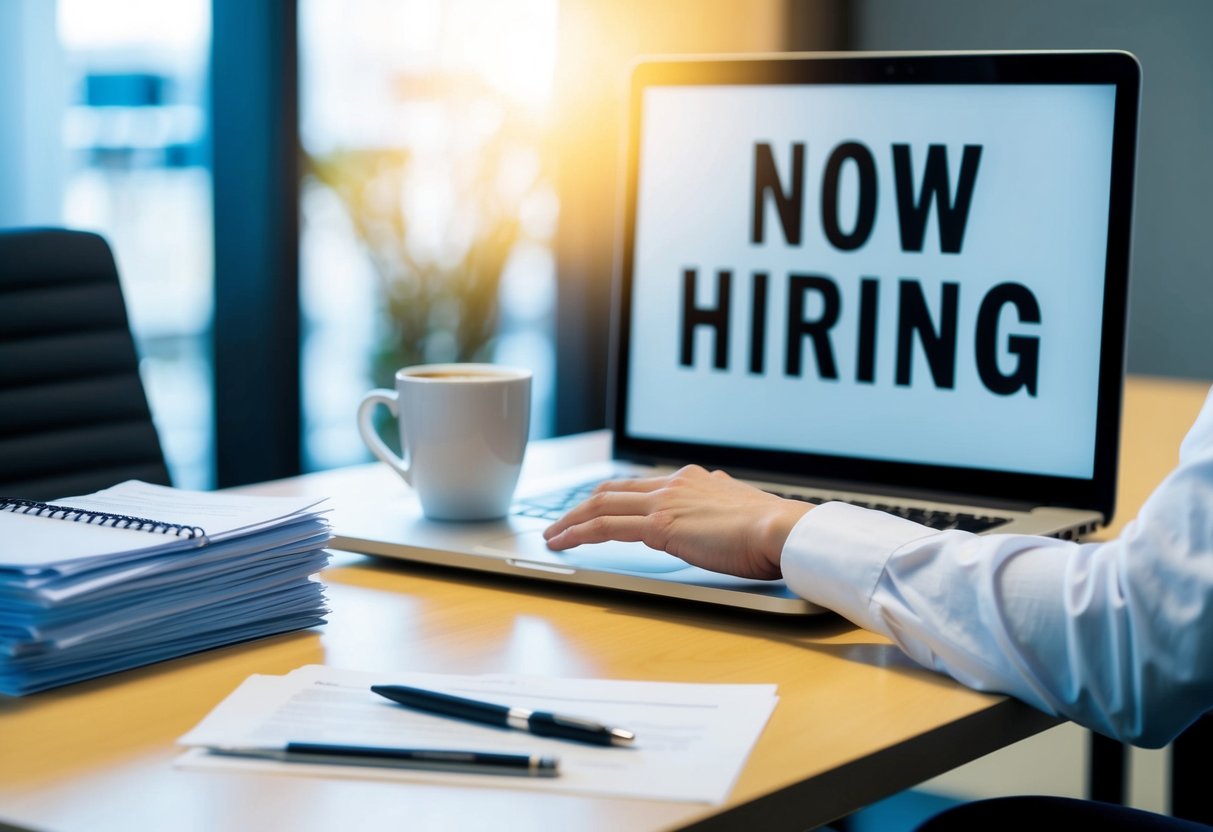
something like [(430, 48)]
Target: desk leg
[(1190, 798), (1108, 760)]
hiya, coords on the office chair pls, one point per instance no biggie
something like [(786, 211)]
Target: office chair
[(73, 414)]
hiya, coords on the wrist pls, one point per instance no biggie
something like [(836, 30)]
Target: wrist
[(776, 530)]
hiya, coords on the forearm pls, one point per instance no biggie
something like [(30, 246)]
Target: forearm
[(1083, 631)]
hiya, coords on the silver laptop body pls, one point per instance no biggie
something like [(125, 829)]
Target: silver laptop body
[(897, 280)]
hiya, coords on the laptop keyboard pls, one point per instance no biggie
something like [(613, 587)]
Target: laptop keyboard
[(552, 506), (932, 518)]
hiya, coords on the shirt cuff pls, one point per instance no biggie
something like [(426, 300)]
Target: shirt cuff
[(836, 554)]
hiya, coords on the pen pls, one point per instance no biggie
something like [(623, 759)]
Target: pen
[(542, 723), (433, 759)]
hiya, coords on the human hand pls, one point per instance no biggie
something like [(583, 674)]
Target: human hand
[(706, 518)]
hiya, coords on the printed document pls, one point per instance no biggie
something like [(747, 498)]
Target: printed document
[(691, 739)]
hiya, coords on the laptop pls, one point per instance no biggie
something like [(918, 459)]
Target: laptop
[(897, 280)]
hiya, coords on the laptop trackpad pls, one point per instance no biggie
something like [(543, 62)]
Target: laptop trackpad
[(610, 556)]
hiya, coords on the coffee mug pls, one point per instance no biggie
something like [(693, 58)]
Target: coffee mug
[(463, 433)]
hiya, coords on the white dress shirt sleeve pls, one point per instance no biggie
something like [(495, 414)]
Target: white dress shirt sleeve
[(1117, 636)]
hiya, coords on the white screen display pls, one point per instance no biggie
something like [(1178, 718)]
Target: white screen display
[(929, 289)]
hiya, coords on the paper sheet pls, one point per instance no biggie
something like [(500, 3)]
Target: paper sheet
[(691, 740), (31, 543)]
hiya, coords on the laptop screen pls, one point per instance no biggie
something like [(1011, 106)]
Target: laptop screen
[(876, 266)]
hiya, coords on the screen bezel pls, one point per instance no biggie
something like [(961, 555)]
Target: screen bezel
[(1120, 69)]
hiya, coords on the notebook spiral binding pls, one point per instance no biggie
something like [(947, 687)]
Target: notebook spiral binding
[(100, 518)]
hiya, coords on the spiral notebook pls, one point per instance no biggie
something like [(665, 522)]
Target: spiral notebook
[(138, 573)]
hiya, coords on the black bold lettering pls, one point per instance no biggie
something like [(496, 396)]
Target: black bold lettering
[(865, 214), (789, 203), (938, 345), (818, 329), (936, 187), (715, 317), (869, 297), (1025, 348), (758, 323)]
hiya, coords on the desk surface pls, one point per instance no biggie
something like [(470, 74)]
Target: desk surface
[(855, 722)]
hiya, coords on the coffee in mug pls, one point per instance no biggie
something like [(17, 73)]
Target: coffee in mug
[(450, 375), (463, 433)]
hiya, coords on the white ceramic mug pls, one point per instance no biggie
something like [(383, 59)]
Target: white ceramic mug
[(463, 433)]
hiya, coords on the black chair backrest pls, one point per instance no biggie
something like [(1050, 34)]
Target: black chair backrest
[(73, 414)]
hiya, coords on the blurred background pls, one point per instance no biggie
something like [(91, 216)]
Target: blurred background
[(303, 195)]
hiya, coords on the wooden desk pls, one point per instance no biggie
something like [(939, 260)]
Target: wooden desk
[(855, 723), (1156, 416)]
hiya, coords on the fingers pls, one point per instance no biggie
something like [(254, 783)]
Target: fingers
[(619, 510), (645, 484), (637, 484), (600, 505), (628, 529)]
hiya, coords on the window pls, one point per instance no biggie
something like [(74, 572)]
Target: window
[(135, 133), (428, 204)]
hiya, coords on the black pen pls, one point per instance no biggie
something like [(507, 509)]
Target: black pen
[(431, 759), (542, 723)]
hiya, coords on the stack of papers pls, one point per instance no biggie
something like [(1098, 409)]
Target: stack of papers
[(691, 740), (89, 593)]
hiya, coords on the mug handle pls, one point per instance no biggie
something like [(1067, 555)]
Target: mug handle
[(370, 436)]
